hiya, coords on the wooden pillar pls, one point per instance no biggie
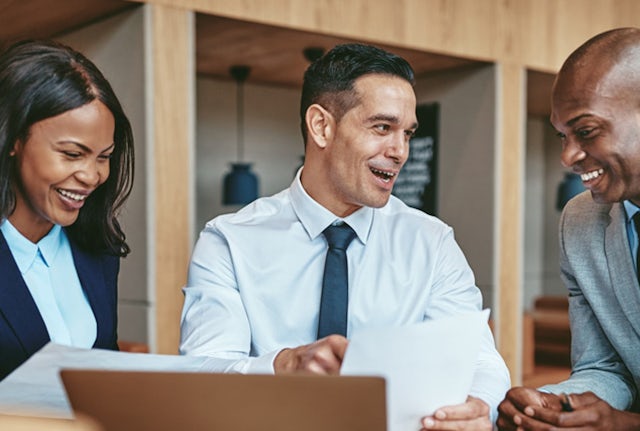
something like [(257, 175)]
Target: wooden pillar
[(170, 93), (510, 151)]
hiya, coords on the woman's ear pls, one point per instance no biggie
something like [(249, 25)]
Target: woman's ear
[(320, 125), (14, 150)]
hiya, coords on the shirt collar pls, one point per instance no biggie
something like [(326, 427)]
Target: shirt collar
[(315, 218), (630, 209), (50, 244), (25, 252)]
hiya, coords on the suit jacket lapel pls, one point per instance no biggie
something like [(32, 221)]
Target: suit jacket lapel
[(17, 306), (620, 264), (90, 273)]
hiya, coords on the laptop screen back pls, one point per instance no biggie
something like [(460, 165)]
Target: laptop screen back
[(134, 400)]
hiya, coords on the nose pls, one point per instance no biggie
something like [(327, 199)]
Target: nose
[(92, 173), (398, 149), (571, 154)]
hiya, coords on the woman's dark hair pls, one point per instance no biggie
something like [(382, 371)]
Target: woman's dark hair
[(329, 80), (40, 79)]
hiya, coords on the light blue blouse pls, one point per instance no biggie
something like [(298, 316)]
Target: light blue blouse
[(49, 273)]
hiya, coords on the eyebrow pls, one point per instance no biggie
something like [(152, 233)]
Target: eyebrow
[(85, 148), (578, 118)]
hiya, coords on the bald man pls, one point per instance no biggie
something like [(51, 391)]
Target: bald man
[(596, 112)]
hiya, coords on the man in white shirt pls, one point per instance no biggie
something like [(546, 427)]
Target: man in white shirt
[(253, 294)]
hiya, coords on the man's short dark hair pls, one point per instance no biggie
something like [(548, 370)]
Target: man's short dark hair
[(329, 80)]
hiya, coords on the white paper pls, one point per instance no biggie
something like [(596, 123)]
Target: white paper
[(35, 388), (426, 365)]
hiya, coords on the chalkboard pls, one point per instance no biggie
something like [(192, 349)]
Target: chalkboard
[(417, 183)]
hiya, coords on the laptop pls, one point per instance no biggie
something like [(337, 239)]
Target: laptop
[(158, 401)]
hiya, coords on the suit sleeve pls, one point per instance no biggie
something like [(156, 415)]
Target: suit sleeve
[(596, 365), (111, 276)]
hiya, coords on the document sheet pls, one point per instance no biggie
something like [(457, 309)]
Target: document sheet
[(35, 387), (426, 365)]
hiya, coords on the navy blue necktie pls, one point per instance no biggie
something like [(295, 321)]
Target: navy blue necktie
[(636, 221), (335, 292)]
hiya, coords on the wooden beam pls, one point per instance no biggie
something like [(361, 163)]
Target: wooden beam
[(510, 150), (171, 93)]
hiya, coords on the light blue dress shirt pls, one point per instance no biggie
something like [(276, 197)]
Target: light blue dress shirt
[(50, 275), (255, 281), (631, 210)]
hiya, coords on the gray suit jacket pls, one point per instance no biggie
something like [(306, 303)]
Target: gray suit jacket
[(604, 302)]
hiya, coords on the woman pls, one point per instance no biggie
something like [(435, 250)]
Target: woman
[(66, 168)]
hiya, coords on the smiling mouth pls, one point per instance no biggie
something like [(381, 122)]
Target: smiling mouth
[(71, 195), (592, 175), (384, 175)]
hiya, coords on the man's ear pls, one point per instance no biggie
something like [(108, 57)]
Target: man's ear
[(320, 125)]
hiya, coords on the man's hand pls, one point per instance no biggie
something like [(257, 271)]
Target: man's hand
[(589, 413), (521, 402), (472, 415), (322, 357), (530, 410)]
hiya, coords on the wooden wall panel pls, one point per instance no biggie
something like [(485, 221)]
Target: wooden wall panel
[(510, 144), (172, 94), (538, 34), (547, 31), (458, 27)]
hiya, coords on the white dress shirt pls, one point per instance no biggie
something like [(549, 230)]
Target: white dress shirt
[(255, 281)]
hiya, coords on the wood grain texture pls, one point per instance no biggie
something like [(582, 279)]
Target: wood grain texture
[(538, 34), (509, 223), (432, 34), (275, 54), (539, 86), (39, 18), (172, 59)]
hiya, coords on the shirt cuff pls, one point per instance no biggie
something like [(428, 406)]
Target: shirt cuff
[(262, 364), (247, 365)]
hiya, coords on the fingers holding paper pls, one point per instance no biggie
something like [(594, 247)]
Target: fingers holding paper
[(471, 415), (321, 357)]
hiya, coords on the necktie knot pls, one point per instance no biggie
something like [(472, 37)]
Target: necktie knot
[(339, 236)]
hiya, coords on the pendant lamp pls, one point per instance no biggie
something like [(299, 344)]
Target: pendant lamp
[(241, 184), (570, 186)]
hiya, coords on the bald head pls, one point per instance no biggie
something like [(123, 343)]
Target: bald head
[(614, 54), (595, 108), (612, 45)]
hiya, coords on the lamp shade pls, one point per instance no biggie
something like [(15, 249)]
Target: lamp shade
[(570, 186), (240, 185)]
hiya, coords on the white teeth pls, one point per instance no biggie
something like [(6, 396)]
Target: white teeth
[(71, 195), (388, 175), (592, 175)]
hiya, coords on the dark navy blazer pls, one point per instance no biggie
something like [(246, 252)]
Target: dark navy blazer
[(22, 330)]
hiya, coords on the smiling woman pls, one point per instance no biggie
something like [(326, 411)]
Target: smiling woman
[(66, 168), (62, 161)]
